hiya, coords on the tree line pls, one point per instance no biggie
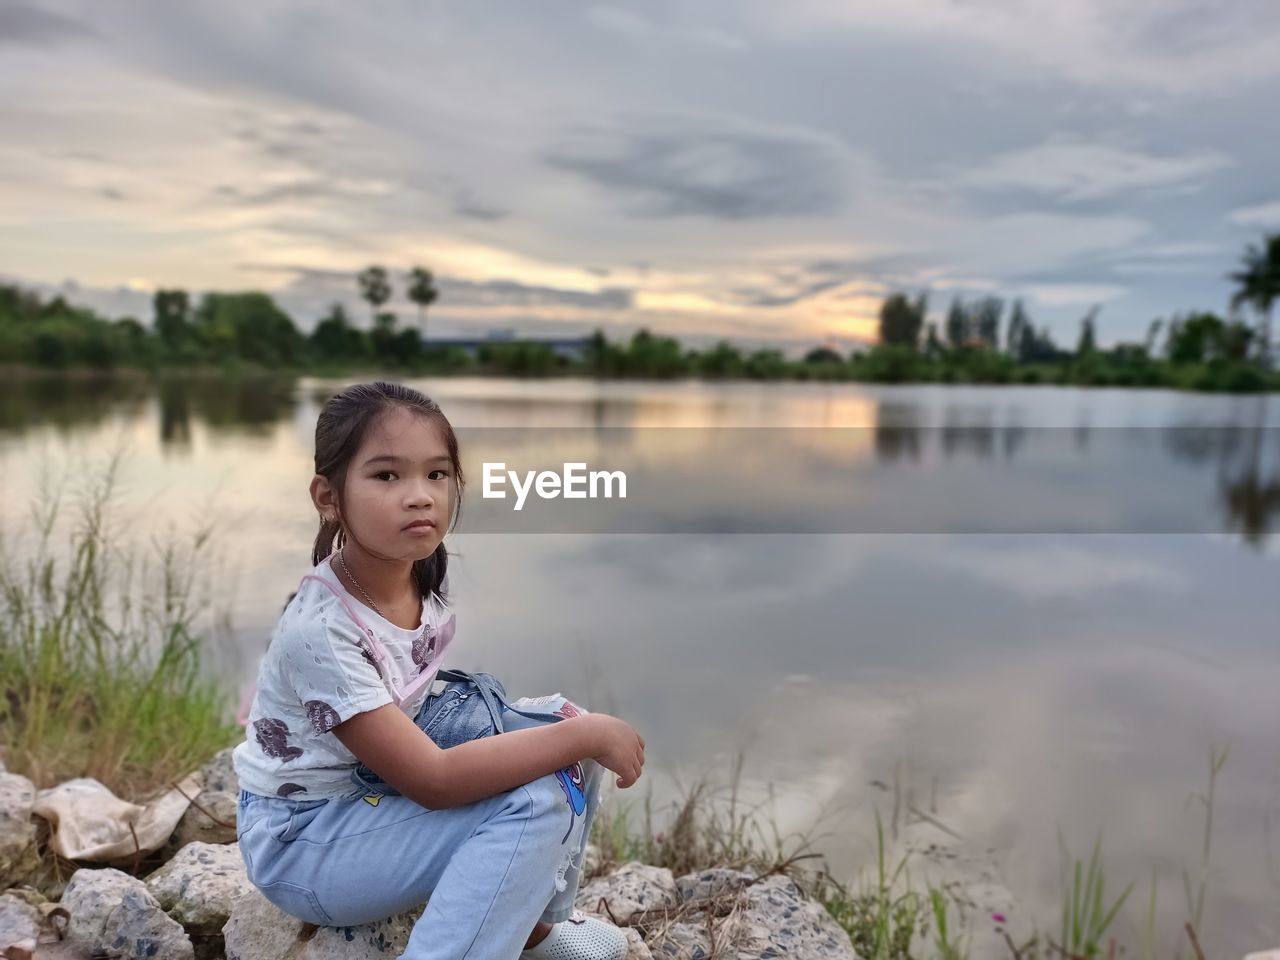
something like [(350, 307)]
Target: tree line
[(979, 340), (982, 341)]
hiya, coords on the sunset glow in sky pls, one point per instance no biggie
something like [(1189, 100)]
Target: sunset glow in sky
[(762, 171)]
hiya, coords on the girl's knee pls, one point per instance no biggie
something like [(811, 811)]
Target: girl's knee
[(558, 796)]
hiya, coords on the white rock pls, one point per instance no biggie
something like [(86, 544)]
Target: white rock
[(196, 824), (780, 922), (775, 921), (220, 773), (112, 911), (19, 920), (590, 861), (683, 941), (259, 930), (199, 886), (709, 883), (18, 852), (637, 949), (628, 890)]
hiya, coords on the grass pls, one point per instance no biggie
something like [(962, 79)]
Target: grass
[(100, 653), (887, 915), (703, 833), (1085, 917)]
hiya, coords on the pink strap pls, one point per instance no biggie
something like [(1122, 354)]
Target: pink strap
[(378, 652)]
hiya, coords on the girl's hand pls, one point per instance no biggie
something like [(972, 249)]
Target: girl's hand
[(618, 747)]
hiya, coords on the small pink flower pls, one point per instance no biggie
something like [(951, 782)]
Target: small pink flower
[(998, 917)]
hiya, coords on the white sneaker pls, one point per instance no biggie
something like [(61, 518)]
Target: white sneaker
[(580, 938)]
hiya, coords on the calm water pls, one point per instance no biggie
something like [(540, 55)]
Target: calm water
[(1030, 609)]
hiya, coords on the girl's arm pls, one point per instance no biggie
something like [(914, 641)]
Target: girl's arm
[(395, 749)]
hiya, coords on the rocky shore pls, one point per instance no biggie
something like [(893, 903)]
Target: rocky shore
[(199, 905)]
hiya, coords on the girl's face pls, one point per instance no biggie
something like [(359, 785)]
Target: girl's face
[(396, 499)]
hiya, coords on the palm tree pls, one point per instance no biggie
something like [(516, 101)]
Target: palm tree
[(374, 287), (1258, 285), (423, 293)]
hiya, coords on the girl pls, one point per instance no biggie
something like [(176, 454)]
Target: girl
[(479, 828)]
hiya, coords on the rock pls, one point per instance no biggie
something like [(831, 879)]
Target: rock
[(711, 883), (198, 888), (628, 890), (780, 922), (19, 854), (774, 920), (19, 920), (637, 949), (112, 911), (220, 773), (258, 930), (683, 941), (196, 824), (590, 861), (220, 796)]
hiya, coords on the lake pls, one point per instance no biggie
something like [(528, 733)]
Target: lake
[(1007, 611)]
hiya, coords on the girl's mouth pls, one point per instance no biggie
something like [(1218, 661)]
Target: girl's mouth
[(420, 526)]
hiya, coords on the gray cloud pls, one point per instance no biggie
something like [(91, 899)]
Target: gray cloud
[(320, 286), (1070, 168), (298, 190), (683, 167), (948, 133), (473, 210), (511, 293), (756, 297), (25, 25)]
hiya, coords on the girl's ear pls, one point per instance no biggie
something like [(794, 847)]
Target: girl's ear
[(324, 497)]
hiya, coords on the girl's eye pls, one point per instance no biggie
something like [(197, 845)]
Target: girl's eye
[(385, 474), (438, 474)]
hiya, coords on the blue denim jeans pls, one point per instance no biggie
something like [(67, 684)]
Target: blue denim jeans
[(491, 869)]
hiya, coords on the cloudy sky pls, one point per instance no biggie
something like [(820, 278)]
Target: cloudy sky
[(759, 170)]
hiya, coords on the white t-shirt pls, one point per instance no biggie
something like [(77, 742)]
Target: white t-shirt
[(315, 674)]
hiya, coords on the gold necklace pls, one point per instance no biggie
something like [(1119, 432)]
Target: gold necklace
[(364, 593)]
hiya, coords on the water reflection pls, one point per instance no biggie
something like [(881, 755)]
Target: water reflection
[(1038, 680), (906, 433), (250, 404)]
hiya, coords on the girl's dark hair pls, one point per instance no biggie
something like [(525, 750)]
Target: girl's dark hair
[(341, 428)]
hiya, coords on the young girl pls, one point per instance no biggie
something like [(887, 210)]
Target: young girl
[(479, 828)]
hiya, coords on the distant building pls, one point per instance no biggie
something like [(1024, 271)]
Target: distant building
[(572, 348)]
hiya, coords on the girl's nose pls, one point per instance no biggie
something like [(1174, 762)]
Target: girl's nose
[(420, 496)]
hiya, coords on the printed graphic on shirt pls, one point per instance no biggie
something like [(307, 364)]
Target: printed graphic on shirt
[(571, 782), (322, 716), (570, 709), (272, 736), (424, 648), (318, 671)]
